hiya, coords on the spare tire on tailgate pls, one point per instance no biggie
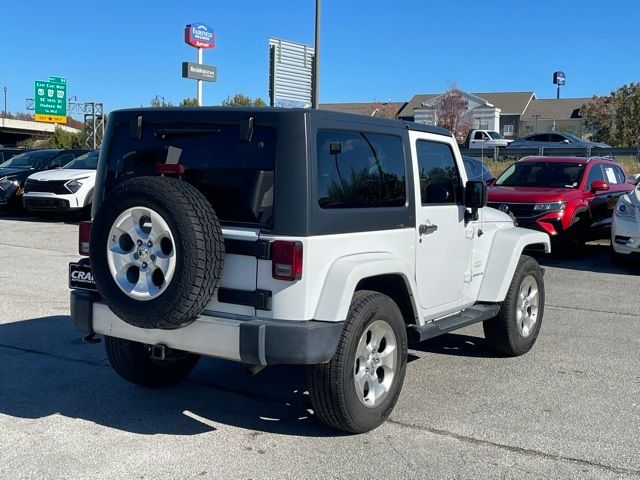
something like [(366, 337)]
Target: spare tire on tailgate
[(156, 252)]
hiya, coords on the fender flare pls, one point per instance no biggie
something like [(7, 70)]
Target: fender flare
[(345, 273), (506, 249)]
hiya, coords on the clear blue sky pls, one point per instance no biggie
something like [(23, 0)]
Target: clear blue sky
[(124, 52)]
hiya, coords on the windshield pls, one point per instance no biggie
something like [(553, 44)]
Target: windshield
[(495, 135), (88, 161), (28, 160), (542, 174)]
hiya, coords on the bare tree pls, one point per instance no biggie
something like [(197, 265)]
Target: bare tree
[(450, 109), (380, 109)]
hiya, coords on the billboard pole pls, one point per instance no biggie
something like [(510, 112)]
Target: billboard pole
[(199, 93), (316, 57)]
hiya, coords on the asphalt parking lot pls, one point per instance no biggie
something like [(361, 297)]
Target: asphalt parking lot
[(568, 409)]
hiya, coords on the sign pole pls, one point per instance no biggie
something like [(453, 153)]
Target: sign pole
[(199, 81), (316, 57)]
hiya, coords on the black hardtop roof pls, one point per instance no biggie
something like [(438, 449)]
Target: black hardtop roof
[(276, 111)]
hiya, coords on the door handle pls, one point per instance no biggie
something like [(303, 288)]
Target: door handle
[(427, 229)]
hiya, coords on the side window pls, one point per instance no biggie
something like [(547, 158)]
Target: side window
[(543, 137), (594, 174), (477, 136), (360, 170), (610, 175), (556, 138), (619, 174), (440, 181)]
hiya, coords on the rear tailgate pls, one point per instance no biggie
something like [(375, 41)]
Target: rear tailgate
[(237, 286)]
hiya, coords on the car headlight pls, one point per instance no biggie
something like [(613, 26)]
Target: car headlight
[(7, 183), (74, 185), (625, 210), (549, 207)]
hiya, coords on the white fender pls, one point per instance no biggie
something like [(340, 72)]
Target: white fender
[(344, 275), (504, 256)]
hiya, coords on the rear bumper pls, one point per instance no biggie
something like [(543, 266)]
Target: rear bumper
[(248, 340)]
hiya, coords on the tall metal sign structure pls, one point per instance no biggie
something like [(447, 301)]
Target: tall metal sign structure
[(93, 114), (291, 66), (200, 36), (559, 78)]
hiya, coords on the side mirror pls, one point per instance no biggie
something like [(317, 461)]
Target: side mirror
[(633, 179), (475, 197), (599, 186), (491, 181)]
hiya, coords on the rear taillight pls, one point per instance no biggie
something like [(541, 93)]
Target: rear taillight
[(169, 168), (287, 260), (84, 234)]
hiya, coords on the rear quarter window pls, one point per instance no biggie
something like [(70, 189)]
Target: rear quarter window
[(359, 170)]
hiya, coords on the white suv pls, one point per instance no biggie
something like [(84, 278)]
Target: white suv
[(291, 236), (625, 224), (65, 189)]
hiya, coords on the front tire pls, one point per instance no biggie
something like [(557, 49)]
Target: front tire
[(356, 391), (133, 362), (515, 329)]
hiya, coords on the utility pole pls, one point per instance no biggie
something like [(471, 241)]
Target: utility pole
[(316, 57), (5, 103)]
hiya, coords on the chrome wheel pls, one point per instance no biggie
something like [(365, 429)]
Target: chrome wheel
[(375, 365), (141, 253), (527, 307)]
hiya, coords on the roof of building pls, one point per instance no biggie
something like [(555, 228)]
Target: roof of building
[(510, 103), (556, 109), (360, 107)]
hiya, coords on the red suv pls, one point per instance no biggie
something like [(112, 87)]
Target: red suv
[(570, 198)]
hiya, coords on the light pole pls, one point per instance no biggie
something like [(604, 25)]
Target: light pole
[(5, 101), (160, 97), (316, 57)]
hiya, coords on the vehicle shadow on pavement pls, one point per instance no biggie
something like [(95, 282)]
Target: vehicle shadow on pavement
[(596, 258), (456, 344), (47, 370)]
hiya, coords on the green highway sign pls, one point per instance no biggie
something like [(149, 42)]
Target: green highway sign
[(51, 100), (58, 80)]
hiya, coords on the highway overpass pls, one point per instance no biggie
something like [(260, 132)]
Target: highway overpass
[(12, 131)]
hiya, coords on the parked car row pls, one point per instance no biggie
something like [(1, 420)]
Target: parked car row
[(50, 180), (488, 139), (573, 199)]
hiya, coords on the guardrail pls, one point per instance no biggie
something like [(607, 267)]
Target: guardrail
[(499, 153)]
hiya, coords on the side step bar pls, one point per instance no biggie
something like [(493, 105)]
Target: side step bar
[(475, 314)]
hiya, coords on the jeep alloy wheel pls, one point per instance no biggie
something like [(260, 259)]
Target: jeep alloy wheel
[(375, 364), (141, 253)]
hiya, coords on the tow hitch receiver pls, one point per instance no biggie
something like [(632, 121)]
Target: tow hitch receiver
[(159, 352)]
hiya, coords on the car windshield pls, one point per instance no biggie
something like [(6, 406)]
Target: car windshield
[(495, 135), (542, 174), (88, 161), (28, 160)]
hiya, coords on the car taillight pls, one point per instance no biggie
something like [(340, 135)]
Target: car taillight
[(84, 234), (169, 168), (287, 260)]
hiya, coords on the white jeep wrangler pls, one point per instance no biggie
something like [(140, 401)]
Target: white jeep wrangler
[(286, 236)]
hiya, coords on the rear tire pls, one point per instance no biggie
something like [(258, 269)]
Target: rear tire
[(356, 391), (515, 329), (133, 362)]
